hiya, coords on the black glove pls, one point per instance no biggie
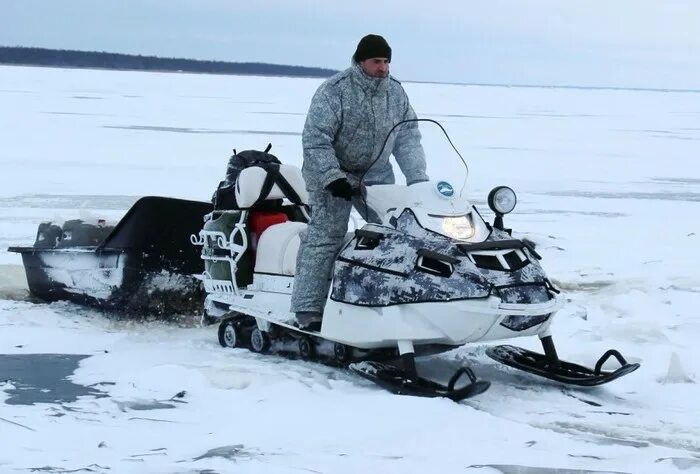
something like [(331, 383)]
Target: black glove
[(340, 188)]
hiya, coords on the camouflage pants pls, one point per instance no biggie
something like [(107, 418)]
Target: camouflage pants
[(319, 246)]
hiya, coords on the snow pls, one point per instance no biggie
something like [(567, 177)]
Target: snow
[(609, 188)]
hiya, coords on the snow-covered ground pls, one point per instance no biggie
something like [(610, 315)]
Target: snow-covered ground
[(609, 189)]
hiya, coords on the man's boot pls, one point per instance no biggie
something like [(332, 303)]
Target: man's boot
[(309, 320)]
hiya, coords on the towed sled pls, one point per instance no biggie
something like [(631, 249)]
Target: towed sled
[(144, 265), (425, 275)]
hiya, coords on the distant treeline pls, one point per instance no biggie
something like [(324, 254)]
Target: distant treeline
[(102, 60)]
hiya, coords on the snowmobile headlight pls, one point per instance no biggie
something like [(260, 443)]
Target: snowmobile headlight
[(502, 200), (458, 227)]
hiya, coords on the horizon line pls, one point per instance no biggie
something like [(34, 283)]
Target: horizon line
[(321, 68)]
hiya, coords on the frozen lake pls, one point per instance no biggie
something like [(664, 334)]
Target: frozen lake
[(608, 183)]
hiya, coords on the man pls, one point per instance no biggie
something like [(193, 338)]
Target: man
[(349, 118)]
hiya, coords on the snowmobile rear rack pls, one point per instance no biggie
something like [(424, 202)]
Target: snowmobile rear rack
[(549, 365)]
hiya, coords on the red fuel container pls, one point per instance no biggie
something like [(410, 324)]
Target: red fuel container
[(258, 221)]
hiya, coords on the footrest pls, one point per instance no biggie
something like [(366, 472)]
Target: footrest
[(397, 381), (560, 370)]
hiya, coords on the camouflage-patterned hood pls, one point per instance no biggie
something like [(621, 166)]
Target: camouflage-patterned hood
[(388, 273)]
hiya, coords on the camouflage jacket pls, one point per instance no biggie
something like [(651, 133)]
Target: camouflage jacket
[(348, 120)]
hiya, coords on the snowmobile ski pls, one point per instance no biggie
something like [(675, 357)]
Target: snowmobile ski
[(400, 382), (560, 370)]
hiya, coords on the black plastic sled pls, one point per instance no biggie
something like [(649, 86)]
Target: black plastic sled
[(145, 265)]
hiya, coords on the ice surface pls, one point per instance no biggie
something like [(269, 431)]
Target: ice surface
[(608, 184)]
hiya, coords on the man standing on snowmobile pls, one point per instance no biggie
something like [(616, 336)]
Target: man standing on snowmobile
[(349, 118)]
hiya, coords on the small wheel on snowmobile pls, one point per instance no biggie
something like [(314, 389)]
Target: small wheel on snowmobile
[(342, 352), (259, 340), (229, 334), (307, 349)]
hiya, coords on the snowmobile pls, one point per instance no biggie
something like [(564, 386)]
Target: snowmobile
[(426, 274)]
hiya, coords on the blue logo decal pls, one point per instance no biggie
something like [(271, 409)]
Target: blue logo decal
[(445, 189)]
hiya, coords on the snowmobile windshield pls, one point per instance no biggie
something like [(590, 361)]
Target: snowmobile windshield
[(414, 151), (419, 168)]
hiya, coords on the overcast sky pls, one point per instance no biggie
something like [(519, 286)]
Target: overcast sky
[(637, 43)]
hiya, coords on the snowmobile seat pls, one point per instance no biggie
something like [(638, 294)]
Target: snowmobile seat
[(278, 247), (255, 185)]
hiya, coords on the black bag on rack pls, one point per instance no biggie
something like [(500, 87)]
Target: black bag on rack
[(225, 195)]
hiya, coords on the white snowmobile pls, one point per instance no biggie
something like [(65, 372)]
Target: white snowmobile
[(433, 275)]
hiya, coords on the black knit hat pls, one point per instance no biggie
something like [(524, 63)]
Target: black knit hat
[(372, 46)]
